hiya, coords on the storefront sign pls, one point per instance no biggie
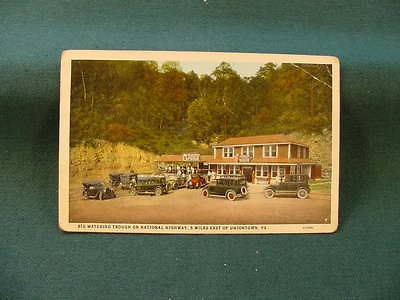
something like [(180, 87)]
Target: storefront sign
[(191, 157), (243, 158)]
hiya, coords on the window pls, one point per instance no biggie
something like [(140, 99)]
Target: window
[(298, 152), (298, 169), (270, 150), (304, 152), (262, 171), (258, 170), (219, 169), (224, 169), (273, 150), (231, 169), (265, 171), (248, 151), (274, 171), (228, 152), (292, 169)]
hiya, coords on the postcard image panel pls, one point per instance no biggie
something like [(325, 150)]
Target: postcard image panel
[(198, 142)]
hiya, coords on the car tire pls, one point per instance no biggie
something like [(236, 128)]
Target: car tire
[(133, 192), (230, 195), (101, 196), (158, 191), (176, 186), (205, 193), (269, 193), (243, 190), (302, 193), (85, 196)]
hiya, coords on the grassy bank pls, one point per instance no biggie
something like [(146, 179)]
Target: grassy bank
[(320, 185), (99, 158)]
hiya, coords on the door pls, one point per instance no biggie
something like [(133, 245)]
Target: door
[(248, 173)]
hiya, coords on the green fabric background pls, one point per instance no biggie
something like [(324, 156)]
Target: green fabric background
[(360, 261)]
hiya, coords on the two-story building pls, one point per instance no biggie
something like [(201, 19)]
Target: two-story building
[(263, 158)]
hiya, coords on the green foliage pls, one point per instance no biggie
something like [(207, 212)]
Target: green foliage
[(163, 109), (320, 186)]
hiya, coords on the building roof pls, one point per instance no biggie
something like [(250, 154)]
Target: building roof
[(179, 158), (258, 139), (170, 157)]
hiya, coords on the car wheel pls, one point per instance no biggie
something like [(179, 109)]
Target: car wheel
[(133, 192), (230, 195), (101, 196), (243, 190), (205, 193), (176, 186), (158, 191), (269, 193), (85, 195), (302, 193)]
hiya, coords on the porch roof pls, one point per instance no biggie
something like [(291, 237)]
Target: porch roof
[(235, 160), (179, 158), (258, 139)]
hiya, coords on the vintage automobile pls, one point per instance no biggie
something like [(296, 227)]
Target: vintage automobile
[(196, 181), (292, 185), (149, 184), (176, 181), (96, 189), (229, 186), (115, 178), (127, 180)]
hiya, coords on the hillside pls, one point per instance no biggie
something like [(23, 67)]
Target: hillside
[(101, 157)]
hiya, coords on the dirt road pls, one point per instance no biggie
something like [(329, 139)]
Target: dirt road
[(186, 206)]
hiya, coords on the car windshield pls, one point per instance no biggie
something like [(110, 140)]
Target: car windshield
[(150, 180), (296, 178)]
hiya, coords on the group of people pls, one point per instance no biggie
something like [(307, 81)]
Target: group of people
[(188, 170), (181, 170)]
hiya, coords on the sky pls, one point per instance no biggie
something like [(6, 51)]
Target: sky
[(244, 69)]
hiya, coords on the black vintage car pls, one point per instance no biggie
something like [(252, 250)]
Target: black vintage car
[(96, 189), (292, 185), (176, 181), (115, 179), (229, 186), (127, 180), (150, 184)]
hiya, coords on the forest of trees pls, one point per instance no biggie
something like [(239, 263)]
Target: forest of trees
[(163, 109)]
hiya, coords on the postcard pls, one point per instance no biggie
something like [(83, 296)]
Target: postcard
[(198, 142)]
